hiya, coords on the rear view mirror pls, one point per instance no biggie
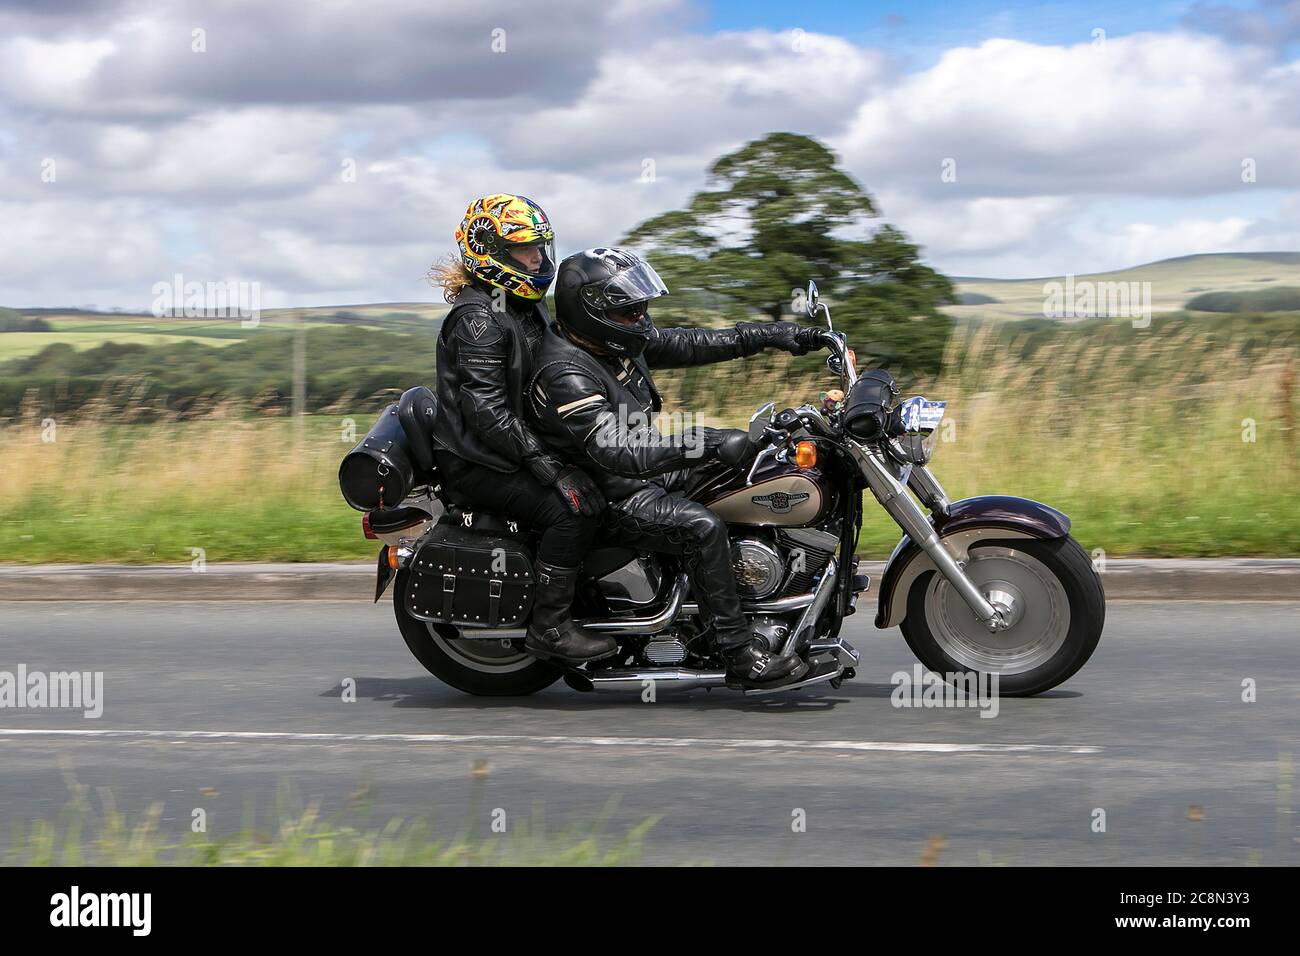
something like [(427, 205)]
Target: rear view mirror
[(810, 303)]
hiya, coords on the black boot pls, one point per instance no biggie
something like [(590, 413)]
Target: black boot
[(552, 632), (749, 660), (752, 663)]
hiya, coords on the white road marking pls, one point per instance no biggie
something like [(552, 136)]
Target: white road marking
[(726, 743)]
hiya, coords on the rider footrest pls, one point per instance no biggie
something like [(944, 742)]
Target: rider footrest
[(822, 668)]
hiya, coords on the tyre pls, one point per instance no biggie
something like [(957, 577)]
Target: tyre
[(485, 668), (1057, 610)]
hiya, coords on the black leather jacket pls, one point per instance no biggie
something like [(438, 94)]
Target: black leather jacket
[(485, 357), (596, 410)]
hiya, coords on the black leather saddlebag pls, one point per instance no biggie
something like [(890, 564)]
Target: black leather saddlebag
[(470, 578), (395, 455), (378, 473)]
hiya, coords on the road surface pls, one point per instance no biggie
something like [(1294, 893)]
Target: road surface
[(218, 705)]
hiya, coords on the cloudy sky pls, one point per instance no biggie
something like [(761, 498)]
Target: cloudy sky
[(327, 148)]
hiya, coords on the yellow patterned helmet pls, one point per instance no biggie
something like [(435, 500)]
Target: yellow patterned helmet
[(507, 241)]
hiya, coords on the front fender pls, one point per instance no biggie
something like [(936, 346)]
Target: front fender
[(968, 522)]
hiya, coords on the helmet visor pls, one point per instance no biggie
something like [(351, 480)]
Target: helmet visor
[(536, 259), (640, 283)]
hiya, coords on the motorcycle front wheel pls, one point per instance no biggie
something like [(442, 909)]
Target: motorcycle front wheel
[(483, 667), (1057, 610)]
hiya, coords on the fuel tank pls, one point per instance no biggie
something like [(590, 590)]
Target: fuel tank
[(782, 495)]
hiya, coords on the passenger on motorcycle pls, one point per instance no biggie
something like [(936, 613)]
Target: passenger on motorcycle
[(489, 457), (592, 396)]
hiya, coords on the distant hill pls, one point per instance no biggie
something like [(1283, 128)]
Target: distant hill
[(378, 312), (1174, 282), (84, 329)]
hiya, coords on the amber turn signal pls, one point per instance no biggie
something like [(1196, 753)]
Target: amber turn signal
[(392, 558), (805, 454)]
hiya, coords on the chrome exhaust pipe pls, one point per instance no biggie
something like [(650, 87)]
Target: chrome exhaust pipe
[(776, 606), (656, 623), (613, 625), (644, 625), (661, 678)]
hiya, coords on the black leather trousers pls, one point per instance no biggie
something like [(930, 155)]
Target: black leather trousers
[(566, 537), (660, 518)]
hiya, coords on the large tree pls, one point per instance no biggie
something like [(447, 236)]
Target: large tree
[(778, 212)]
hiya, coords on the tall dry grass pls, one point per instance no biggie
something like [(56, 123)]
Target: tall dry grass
[(1147, 444), (1164, 444), (238, 488)]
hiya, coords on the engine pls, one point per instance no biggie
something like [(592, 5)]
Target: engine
[(784, 566), (759, 568)]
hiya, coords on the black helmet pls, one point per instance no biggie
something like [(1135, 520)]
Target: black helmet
[(596, 294)]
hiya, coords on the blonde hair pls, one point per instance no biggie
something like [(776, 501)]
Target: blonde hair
[(450, 275)]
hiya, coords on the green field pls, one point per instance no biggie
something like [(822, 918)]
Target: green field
[(20, 344), (87, 330)]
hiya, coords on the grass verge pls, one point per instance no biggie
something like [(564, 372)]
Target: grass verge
[(84, 835)]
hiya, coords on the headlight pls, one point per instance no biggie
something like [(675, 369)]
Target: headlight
[(919, 419)]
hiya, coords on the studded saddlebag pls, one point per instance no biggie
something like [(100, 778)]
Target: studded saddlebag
[(470, 578)]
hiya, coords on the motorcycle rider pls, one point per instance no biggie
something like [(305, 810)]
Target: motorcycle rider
[(592, 396), (487, 454)]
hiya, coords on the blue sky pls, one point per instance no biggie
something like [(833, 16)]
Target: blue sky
[(920, 30), (923, 23)]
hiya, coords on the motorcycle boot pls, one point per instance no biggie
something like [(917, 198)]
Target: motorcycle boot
[(552, 632)]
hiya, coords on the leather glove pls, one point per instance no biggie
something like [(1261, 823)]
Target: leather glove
[(731, 446), (792, 337), (580, 492)]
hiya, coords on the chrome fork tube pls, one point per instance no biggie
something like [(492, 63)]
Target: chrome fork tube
[(893, 497), (926, 487)]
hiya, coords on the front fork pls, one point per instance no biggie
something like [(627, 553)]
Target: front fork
[(889, 483)]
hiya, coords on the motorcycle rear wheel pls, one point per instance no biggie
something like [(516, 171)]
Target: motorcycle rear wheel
[(1060, 612), (482, 667)]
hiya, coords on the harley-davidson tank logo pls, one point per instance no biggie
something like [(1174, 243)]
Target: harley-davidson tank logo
[(781, 502)]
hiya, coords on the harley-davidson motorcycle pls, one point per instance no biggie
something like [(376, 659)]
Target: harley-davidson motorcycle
[(991, 585)]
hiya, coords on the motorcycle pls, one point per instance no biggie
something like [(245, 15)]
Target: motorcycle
[(983, 586)]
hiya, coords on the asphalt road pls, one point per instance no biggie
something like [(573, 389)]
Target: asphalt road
[(1153, 731)]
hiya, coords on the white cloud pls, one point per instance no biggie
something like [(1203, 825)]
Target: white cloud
[(51, 73), (228, 164), (1145, 114)]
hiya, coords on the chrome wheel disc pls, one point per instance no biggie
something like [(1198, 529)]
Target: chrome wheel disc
[(487, 656), (1033, 602)]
